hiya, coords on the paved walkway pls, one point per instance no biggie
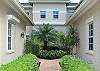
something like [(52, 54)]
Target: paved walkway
[(49, 65)]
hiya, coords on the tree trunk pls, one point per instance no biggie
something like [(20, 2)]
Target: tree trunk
[(45, 45)]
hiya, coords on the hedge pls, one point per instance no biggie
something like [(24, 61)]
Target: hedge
[(27, 62), (52, 54), (70, 63)]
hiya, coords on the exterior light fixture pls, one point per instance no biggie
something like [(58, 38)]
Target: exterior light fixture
[(22, 35)]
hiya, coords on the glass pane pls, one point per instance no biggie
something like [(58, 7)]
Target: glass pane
[(9, 43), (55, 16), (9, 32), (89, 26), (92, 26), (91, 32), (55, 12), (43, 12), (91, 40), (90, 46), (43, 16), (9, 29)]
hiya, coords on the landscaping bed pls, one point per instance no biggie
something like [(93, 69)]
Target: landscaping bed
[(27, 62), (51, 54), (71, 63)]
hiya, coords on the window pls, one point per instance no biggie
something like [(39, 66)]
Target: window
[(43, 14), (90, 35), (55, 14), (11, 35)]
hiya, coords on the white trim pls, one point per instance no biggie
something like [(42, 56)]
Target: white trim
[(49, 1), (90, 52), (13, 18), (10, 51), (89, 20)]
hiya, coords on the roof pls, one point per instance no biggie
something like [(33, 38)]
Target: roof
[(81, 9), (20, 10), (49, 1)]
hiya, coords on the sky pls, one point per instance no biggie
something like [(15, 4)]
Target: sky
[(74, 1)]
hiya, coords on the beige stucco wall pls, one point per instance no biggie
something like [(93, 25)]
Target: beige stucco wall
[(2, 21), (81, 24), (0, 42), (6, 57), (49, 8)]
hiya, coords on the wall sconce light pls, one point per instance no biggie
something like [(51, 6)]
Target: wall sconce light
[(22, 34)]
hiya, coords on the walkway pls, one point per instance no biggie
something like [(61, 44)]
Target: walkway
[(49, 65)]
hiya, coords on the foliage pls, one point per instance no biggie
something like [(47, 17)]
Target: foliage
[(71, 63), (28, 46), (61, 38), (72, 37), (31, 47), (53, 54), (27, 62), (36, 41), (46, 33), (46, 38)]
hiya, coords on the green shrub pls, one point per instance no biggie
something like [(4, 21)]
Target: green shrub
[(52, 54), (71, 63), (31, 47), (27, 62), (28, 47)]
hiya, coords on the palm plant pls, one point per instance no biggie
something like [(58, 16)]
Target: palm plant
[(72, 38), (46, 33)]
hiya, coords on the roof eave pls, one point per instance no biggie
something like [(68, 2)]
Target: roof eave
[(17, 7), (49, 1), (84, 6)]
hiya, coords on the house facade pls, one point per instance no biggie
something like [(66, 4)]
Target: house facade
[(87, 20), (13, 22), (53, 12)]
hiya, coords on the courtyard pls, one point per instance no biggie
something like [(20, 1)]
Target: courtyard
[(49, 35)]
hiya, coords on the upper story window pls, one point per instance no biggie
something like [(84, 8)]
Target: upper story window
[(55, 14), (43, 14), (91, 35)]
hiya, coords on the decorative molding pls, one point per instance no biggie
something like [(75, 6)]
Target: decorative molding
[(14, 18), (89, 19)]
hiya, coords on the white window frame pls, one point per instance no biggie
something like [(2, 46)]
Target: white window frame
[(89, 21), (91, 31), (56, 13), (9, 35), (42, 13), (13, 21)]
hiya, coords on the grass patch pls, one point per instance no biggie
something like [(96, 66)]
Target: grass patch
[(71, 63), (27, 62)]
